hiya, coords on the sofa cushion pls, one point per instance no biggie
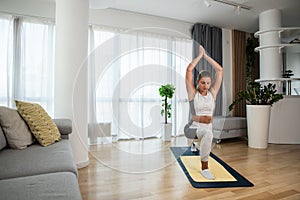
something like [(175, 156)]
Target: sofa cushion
[(37, 160), (2, 139), (16, 131), (58, 186), (39, 122)]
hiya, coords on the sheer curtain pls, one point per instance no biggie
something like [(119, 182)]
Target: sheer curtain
[(6, 58), (126, 71), (29, 67)]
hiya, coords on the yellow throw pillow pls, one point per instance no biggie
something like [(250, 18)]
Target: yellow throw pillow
[(39, 122)]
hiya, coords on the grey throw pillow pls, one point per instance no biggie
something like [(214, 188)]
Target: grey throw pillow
[(15, 129), (2, 139)]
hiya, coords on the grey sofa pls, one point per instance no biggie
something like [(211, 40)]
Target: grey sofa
[(225, 127), (39, 173)]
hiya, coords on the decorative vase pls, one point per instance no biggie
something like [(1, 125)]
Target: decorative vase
[(258, 119)]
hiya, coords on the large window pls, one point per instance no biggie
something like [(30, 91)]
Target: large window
[(134, 65), (27, 60)]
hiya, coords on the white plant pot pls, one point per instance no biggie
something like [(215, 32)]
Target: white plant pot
[(258, 119), (167, 132)]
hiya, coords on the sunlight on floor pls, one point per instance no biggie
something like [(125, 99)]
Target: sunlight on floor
[(136, 156)]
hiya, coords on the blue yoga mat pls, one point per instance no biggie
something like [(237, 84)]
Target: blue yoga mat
[(241, 181)]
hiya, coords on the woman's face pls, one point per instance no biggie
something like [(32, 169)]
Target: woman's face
[(204, 84)]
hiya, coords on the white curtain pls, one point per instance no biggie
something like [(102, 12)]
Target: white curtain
[(30, 65), (6, 58), (126, 70), (96, 38)]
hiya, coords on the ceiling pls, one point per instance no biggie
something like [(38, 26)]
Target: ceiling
[(218, 14)]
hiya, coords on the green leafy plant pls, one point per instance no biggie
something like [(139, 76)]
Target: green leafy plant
[(250, 59), (166, 91), (256, 94)]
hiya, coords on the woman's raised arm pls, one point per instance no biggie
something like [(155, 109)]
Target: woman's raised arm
[(218, 77), (189, 81)]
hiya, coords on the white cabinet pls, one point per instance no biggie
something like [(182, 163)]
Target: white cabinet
[(284, 122)]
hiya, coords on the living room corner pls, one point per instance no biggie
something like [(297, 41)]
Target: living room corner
[(89, 71)]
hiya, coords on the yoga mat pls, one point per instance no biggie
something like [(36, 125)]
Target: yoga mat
[(193, 165), (225, 175)]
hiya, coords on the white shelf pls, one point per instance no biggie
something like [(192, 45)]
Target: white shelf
[(284, 32), (296, 47), (287, 34), (278, 79)]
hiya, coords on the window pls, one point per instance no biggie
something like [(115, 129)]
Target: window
[(27, 60), (126, 92)]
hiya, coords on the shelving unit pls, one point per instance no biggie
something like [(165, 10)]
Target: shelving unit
[(286, 34), (275, 42)]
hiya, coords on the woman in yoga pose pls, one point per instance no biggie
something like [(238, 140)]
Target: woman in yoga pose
[(202, 103)]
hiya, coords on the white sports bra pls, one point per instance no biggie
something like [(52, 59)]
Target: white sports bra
[(203, 105)]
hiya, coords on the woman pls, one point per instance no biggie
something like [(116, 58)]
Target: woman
[(202, 103)]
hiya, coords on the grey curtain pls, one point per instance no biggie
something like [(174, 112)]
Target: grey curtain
[(210, 38)]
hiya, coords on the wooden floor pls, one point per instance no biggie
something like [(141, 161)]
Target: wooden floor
[(148, 170)]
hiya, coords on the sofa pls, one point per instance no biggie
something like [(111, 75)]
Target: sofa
[(225, 127), (39, 172)]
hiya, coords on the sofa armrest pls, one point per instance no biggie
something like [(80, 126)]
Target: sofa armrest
[(64, 126)]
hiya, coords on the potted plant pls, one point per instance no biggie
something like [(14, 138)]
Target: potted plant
[(259, 100), (166, 91)]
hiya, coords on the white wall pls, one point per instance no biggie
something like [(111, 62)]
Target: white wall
[(35, 8), (129, 20)]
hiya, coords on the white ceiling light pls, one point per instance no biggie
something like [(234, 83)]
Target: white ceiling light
[(231, 3)]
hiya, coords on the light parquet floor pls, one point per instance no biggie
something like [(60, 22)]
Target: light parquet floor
[(146, 169)]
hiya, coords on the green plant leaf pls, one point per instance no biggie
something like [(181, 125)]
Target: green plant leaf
[(255, 94)]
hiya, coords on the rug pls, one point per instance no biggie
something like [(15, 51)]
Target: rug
[(224, 174)]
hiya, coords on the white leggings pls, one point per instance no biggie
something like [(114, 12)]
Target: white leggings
[(204, 132)]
